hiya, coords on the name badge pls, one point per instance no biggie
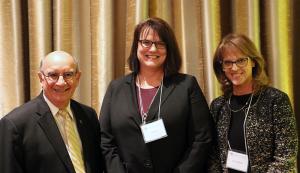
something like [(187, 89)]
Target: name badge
[(153, 131), (237, 161)]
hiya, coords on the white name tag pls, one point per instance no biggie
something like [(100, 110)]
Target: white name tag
[(237, 161), (153, 131)]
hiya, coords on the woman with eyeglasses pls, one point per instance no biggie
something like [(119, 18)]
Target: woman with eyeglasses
[(155, 119), (255, 122)]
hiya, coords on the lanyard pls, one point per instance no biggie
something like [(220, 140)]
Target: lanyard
[(244, 126), (143, 113)]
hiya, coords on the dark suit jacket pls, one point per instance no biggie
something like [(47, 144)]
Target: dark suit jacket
[(187, 121), (30, 140)]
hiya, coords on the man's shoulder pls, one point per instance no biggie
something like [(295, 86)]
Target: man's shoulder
[(78, 104), (23, 113), (75, 106), (84, 112)]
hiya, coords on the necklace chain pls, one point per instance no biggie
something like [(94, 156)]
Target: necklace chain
[(142, 111), (238, 110)]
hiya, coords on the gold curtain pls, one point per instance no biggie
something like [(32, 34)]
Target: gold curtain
[(99, 34), (11, 56)]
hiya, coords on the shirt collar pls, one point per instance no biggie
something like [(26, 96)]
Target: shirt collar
[(55, 109)]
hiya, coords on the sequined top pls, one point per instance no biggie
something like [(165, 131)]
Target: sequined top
[(271, 133)]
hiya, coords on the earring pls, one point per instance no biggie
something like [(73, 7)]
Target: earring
[(226, 81)]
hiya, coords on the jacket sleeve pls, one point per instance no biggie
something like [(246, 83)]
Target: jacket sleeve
[(199, 133), (113, 161), (10, 148), (284, 123)]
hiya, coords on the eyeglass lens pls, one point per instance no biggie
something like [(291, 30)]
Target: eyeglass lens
[(148, 44), (66, 76), (241, 62)]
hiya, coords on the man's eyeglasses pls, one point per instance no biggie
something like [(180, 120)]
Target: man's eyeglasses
[(241, 62), (148, 44), (53, 77)]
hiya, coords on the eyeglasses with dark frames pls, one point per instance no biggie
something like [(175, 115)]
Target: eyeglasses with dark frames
[(53, 77), (241, 62), (149, 43)]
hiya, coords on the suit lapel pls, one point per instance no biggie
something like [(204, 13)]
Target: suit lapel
[(48, 124), (133, 106), (82, 125)]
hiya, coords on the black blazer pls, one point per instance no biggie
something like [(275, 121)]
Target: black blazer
[(186, 117), (30, 140)]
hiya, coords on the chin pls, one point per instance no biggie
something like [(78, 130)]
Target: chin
[(62, 103), (236, 83)]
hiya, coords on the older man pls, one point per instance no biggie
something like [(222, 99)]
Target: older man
[(52, 133)]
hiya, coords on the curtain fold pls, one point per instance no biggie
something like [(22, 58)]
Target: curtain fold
[(279, 44), (246, 19), (211, 21), (82, 49), (102, 49), (11, 56), (40, 39), (99, 34)]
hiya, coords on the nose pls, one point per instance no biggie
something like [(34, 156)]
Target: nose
[(234, 66), (60, 80), (153, 47)]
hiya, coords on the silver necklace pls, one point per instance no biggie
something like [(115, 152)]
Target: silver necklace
[(244, 124), (143, 113), (243, 107)]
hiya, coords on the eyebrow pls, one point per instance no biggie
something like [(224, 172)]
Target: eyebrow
[(235, 59)]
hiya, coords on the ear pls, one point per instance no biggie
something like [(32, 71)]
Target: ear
[(78, 74), (40, 77)]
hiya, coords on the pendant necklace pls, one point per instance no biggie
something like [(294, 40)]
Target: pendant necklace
[(142, 111)]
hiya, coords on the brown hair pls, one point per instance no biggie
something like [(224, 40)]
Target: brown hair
[(173, 60), (246, 47)]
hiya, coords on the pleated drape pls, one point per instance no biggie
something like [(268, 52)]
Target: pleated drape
[(40, 39), (11, 56), (279, 36), (102, 49), (99, 34)]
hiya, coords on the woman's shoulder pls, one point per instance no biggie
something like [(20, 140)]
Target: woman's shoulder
[(219, 101), (123, 79), (273, 96), (182, 77), (216, 105), (271, 92)]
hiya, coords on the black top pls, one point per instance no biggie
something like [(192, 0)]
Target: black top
[(239, 106)]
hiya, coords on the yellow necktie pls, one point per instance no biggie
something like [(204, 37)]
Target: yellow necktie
[(73, 142)]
